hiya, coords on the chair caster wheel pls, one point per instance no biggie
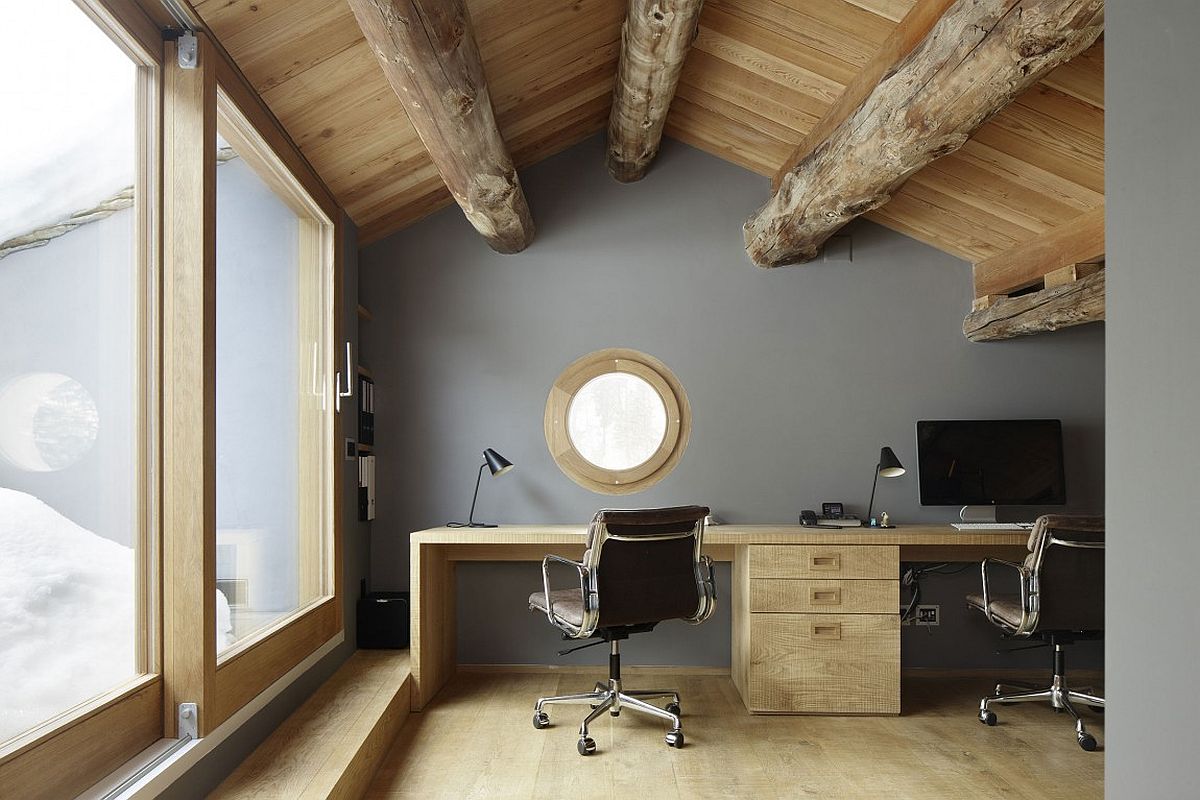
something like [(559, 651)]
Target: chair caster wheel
[(675, 738), (541, 720), (614, 713), (586, 745), (673, 708), (1087, 742), (987, 717)]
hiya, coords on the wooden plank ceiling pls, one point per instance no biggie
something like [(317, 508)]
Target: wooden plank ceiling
[(760, 75)]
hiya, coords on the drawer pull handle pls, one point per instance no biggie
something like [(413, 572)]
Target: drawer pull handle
[(828, 561), (825, 597), (827, 630)]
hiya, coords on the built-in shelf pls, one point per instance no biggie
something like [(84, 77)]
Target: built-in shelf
[(366, 373)]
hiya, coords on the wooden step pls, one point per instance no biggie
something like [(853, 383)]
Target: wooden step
[(333, 744)]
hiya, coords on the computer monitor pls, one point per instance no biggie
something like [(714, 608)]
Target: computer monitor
[(974, 463)]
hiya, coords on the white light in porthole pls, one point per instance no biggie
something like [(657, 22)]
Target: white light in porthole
[(48, 422), (617, 421)]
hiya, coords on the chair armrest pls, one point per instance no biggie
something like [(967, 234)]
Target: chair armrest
[(706, 586), (580, 568), (1023, 575), (1077, 544)]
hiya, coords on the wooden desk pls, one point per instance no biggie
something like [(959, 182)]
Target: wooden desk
[(785, 580)]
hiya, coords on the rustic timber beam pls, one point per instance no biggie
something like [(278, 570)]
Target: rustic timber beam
[(1078, 241), (428, 52), (655, 40), (909, 32), (978, 57), (1070, 304)]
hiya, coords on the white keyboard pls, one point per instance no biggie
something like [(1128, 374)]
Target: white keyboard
[(991, 526)]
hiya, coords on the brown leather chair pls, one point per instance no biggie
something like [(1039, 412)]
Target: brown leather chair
[(1060, 601), (640, 568)]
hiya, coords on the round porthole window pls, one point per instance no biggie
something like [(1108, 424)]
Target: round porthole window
[(617, 421)]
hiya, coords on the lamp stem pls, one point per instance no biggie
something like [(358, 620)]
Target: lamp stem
[(871, 505), (474, 497)]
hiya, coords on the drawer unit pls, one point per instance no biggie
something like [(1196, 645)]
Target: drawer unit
[(816, 628), (824, 561), (824, 663), (775, 595)]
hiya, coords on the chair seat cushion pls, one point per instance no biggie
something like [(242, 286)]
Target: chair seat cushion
[(568, 604), (1005, 607)]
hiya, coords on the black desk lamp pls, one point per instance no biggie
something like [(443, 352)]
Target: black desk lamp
[(499, 465), (889, 467)]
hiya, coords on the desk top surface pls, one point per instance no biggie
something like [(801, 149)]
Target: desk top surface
[(733, 535)]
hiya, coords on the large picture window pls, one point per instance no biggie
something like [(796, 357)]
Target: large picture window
[(274, 315), (76, 346)]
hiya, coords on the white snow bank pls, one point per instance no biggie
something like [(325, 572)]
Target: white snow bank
[(66, 613), (68, 137)]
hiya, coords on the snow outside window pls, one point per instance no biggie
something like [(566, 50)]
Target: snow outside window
[(70, 498)]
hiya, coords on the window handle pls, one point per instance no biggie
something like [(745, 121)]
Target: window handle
[(348, 391)]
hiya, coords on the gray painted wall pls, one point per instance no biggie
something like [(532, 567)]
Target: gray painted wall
[(796, 377), (199, 781), (1153, 382)]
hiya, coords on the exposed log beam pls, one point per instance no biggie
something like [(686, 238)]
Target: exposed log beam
[(428, 52), (908, 34), (1079, 241), (1070, 304), (655, 40), (978, 57)]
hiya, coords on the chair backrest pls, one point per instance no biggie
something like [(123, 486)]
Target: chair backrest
[(1066, 554), (645, 566)]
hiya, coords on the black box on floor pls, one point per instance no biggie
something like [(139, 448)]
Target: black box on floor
[(383, 620)]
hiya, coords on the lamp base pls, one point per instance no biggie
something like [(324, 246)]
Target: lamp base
[(471, 525)]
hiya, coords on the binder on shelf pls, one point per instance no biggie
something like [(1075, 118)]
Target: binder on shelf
[(366, 411), (366, 488)]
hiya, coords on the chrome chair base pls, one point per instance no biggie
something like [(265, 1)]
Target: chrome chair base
[(610, 697), (1060, 697)]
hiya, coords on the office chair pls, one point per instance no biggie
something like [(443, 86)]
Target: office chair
[(640, 568), (1061, 601)]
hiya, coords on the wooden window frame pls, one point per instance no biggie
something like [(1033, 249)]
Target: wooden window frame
[(195, 100), (96, 736), (670, 450)]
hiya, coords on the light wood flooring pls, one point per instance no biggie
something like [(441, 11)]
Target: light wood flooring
[(476, 740)]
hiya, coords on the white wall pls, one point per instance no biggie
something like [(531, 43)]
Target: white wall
[(1153, 591), (67, 307)]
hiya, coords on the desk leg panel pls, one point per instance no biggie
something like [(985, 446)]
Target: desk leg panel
[(433, 624)]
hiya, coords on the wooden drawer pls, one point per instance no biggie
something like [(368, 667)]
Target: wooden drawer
[(824, 663), (825, 596), (824, 561)]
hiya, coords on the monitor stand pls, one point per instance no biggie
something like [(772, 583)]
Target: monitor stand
[(977, 514)]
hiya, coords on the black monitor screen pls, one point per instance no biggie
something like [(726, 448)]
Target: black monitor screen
[(991, 462)]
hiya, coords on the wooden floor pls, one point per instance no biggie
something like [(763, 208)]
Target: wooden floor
[(476, 740)]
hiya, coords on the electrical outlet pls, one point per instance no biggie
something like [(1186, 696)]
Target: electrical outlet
[(929, 615)]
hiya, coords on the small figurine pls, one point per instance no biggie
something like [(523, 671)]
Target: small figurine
[(883, 520)]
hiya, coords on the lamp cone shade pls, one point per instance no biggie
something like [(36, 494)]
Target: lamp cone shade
[(499, 465), (889, 465)]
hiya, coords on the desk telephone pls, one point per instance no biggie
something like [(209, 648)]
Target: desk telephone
[(832, 516)]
